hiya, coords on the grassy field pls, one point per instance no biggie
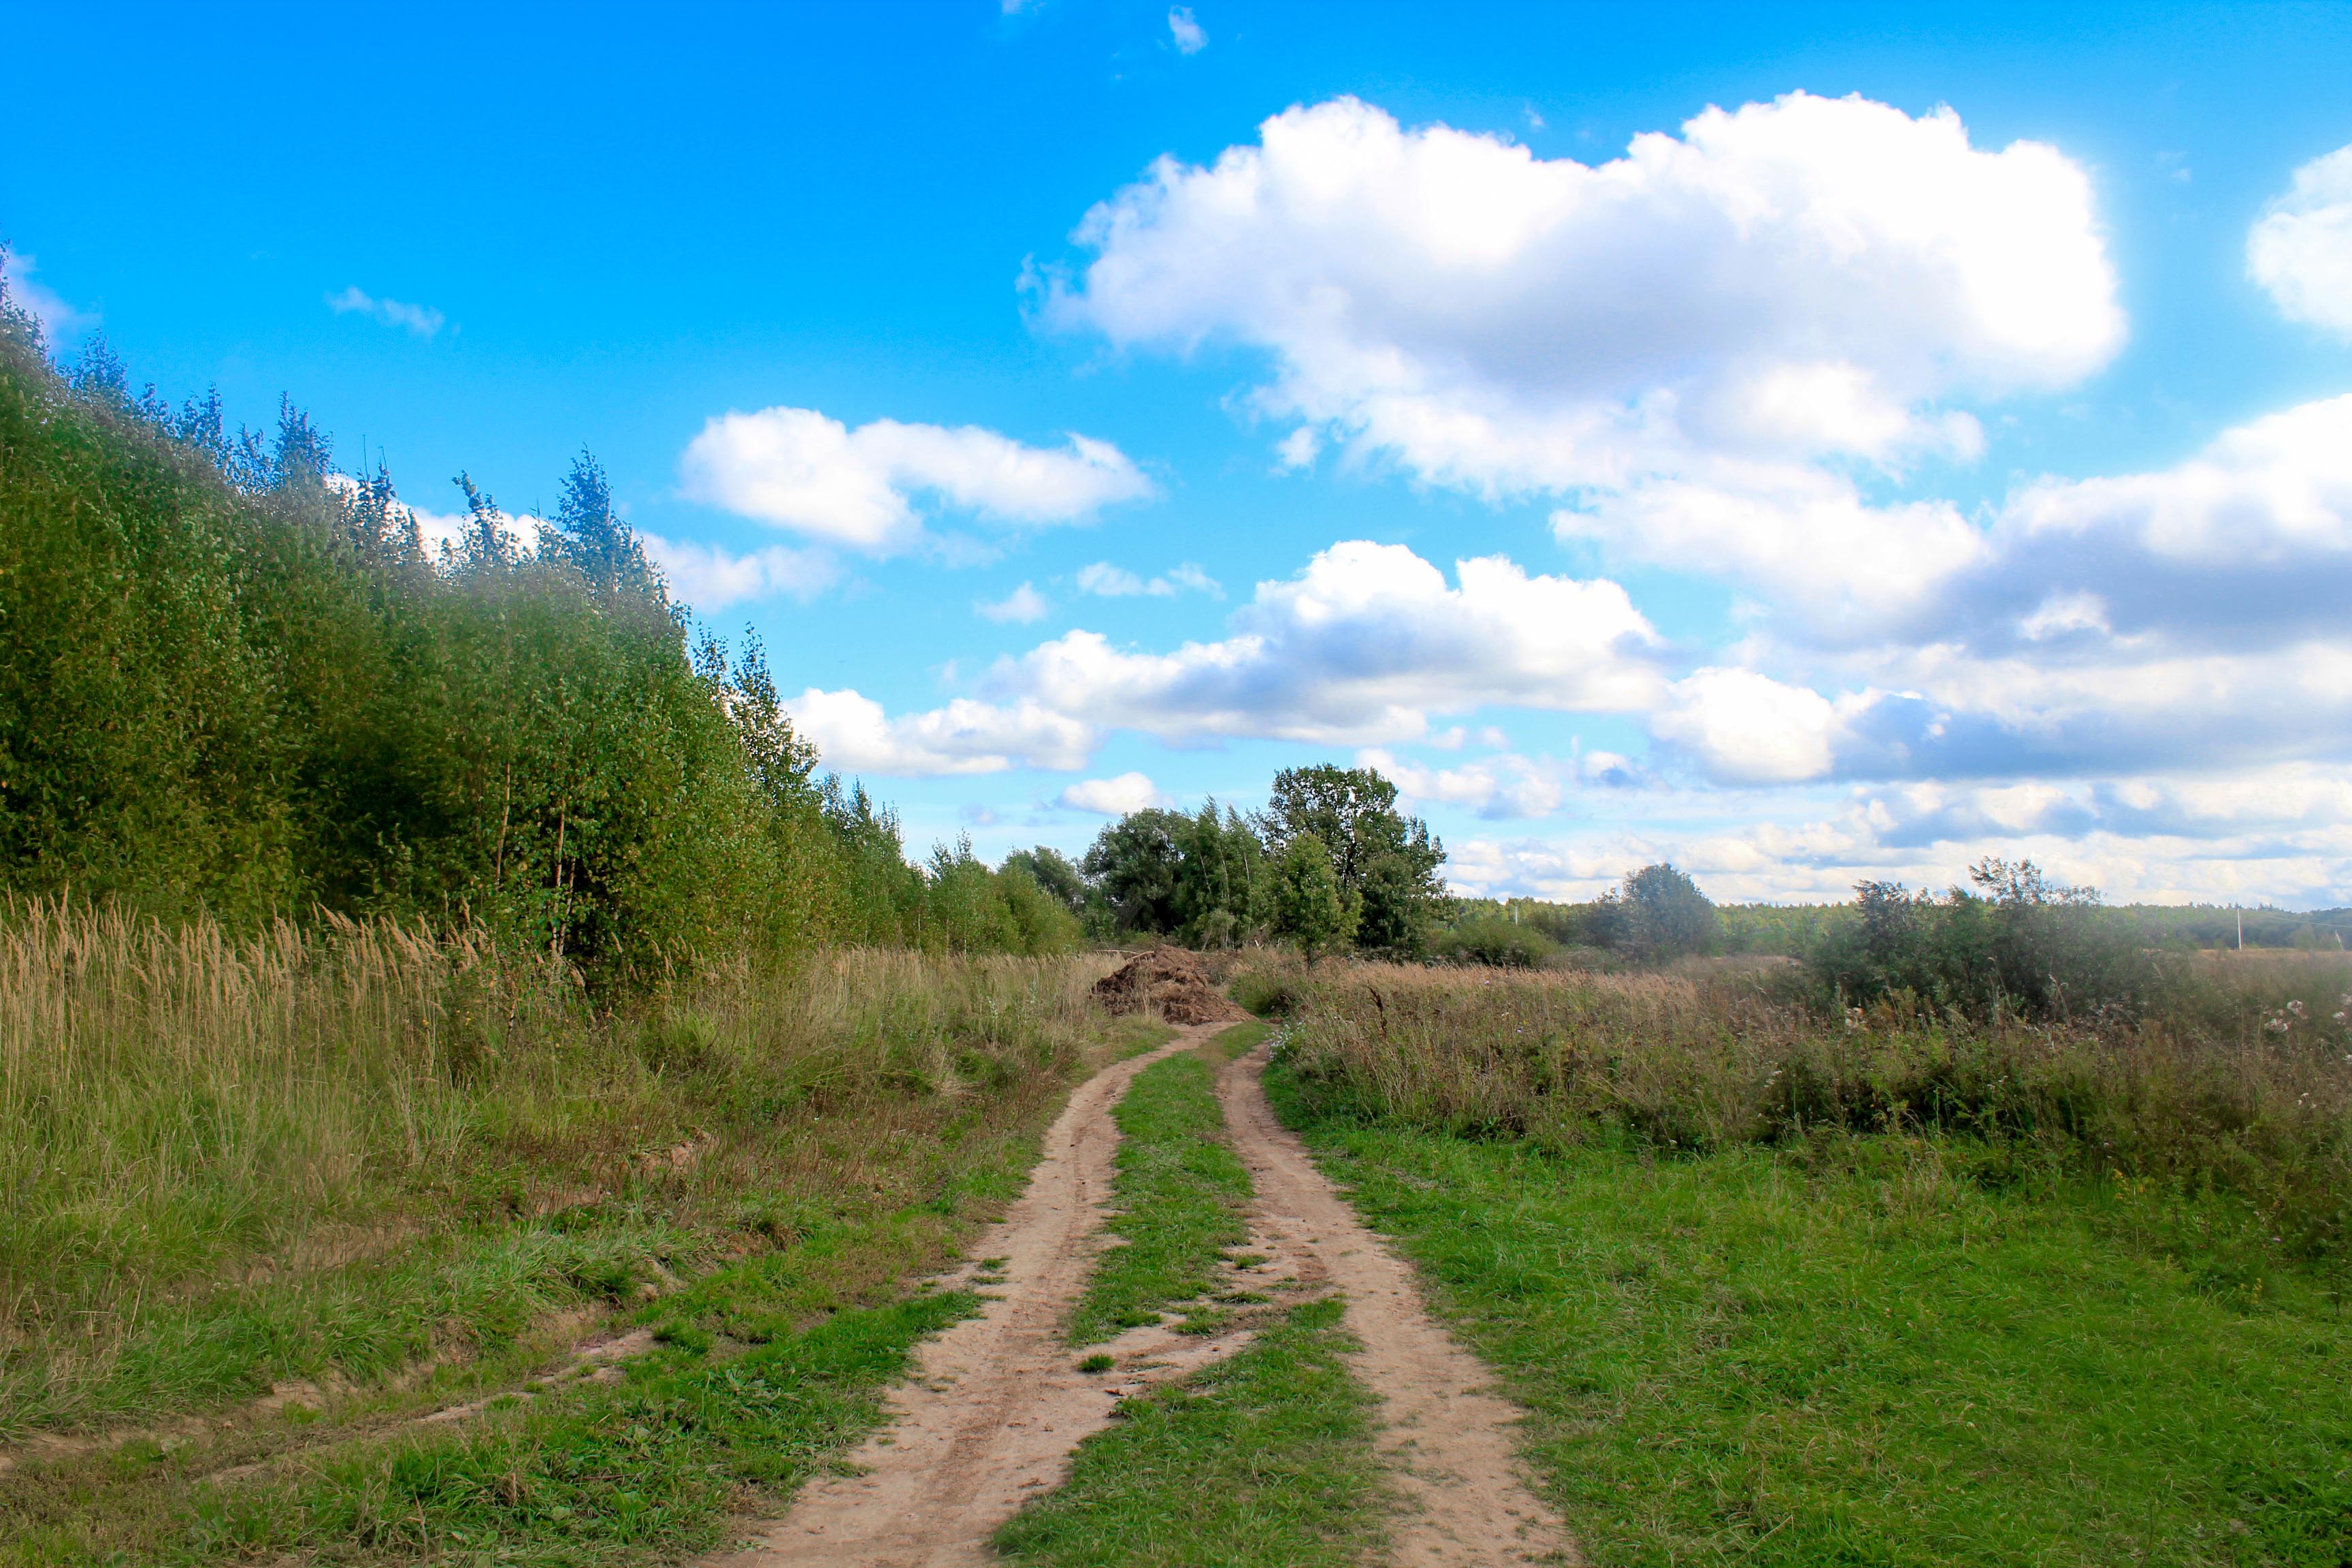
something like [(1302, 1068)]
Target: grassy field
[(1984, 1341), (1263, 1460), (381, 1176)]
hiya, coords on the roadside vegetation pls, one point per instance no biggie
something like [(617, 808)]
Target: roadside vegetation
[(313, 1186), (1982, 1233)]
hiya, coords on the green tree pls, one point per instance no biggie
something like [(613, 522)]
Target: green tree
[(1135, 862), (1656, 912), (1308, 906), (1386, 864)]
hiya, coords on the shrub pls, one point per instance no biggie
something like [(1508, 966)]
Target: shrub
[(1492, 939)]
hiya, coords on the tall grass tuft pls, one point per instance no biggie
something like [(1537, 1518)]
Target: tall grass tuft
[(327, 1148), (2239, 1079)]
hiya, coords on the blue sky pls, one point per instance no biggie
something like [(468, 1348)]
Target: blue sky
[(1804, 444)]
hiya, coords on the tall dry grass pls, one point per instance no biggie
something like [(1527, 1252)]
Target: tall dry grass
[(207, 1142), (2239, 1079)]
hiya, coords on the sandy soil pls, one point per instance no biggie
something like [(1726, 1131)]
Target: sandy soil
[(1450, 1440), (998, 1402)]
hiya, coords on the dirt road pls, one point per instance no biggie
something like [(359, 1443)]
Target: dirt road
[(1449, 1439), (998, 1403)]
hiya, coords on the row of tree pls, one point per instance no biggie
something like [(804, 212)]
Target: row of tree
[(1330, 864), (232, 680)]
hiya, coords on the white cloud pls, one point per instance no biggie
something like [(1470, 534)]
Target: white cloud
[(1189, 37), (1497, 788), (796, 467), (1108, 582), (60, 322), (2300, 250), (2280, 834), (1113, 797), (1809, 275), (1360, 648), (423, 320), (855, 735), (1023, 604), (709, 577), (1750, 726)]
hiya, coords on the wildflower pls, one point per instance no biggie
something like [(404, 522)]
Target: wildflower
[(2277, 1025), (2295, 1007)]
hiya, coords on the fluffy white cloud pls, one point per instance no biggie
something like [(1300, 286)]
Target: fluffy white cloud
[(1189, 37), (1023, 604), (798, 468), (855, 735), (1360, 648), (1750, 726), (709, 577), (1809, 275), (1498, 788), (2300, 250), (423, 320), (1113, 797), (60, 322), (1108, 582), (2249, 544)]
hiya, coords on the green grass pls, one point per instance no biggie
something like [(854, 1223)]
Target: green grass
[(1875, 1351), (1264, 1461), (1180, 1189), (843, 1129)]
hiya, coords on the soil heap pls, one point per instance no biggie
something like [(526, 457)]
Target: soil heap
[(1169, 980)]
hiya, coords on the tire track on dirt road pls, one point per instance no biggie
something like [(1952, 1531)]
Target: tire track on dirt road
[(1449, 1439), (996, 1403)]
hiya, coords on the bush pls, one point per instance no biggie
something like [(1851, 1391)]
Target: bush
[(2021, 945), (2240, 1079), (1492, 939)]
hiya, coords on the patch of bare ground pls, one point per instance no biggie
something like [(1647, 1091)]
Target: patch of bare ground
[(1451, 1440), (998, 1402)]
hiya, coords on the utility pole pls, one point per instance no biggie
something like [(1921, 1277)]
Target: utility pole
[(2242, 930)]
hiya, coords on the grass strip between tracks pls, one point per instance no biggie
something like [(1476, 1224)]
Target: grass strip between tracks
[(1180, 1189), (1262, 1461)]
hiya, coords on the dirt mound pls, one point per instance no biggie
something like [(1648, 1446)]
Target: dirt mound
[(1171, 980)]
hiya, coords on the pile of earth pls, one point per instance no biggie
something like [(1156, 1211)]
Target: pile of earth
[(1168, 980)]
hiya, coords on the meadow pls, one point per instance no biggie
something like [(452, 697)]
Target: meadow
[(270, 1198), (1885, 1286)]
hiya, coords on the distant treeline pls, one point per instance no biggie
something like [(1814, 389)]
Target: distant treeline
[(1795, 929), (232, 680)]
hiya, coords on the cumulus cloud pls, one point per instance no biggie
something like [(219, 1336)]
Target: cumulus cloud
[(423, 320), (60, 322), (855, 735), (2300, 250), (1108, 582), (859, 488), (1807, 276), (1113, 797), (1023, 604), (711, 577), (1360, 649), (1497, 788), (1189, 37)]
